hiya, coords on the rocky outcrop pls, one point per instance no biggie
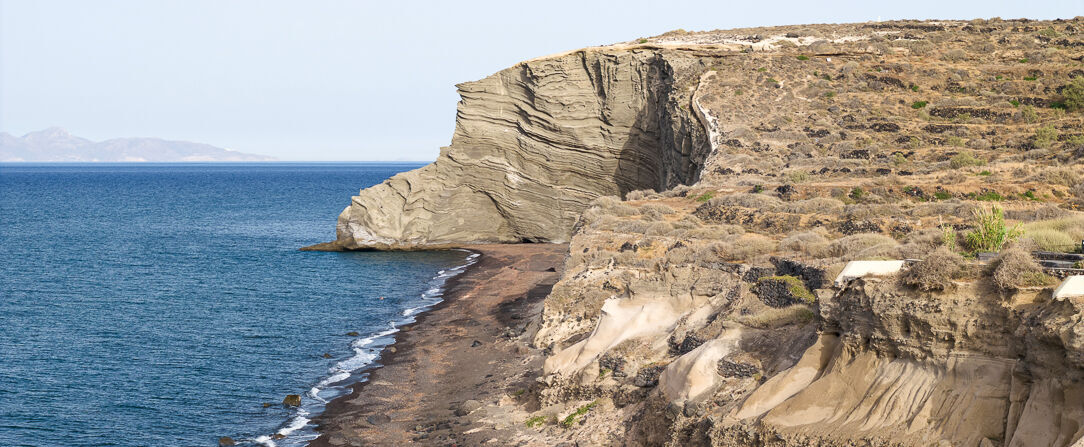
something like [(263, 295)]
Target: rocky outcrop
[(534, 144)]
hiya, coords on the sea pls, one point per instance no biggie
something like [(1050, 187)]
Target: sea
[(169, 305)]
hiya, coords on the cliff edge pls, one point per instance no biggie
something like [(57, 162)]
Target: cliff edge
[(534, 144)]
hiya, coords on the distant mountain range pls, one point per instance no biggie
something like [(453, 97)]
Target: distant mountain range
[(56, 144)]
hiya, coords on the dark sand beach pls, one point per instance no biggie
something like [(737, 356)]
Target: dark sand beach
[(468, 348)]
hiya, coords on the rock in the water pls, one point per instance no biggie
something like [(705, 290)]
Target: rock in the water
[(226, 441), (292, 400), (327, 356), (352, 334)]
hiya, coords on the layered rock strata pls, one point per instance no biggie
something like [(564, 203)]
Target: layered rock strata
[(534, 144)]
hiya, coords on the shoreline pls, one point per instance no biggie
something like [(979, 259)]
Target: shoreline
[(429, 385)]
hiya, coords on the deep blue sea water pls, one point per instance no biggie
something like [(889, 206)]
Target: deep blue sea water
[(163, 305)]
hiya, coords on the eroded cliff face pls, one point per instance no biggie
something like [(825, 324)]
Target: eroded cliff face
[(534, 144), (686, 344)]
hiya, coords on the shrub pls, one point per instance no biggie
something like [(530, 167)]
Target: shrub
[(761, 202), (955, 55), (655, 209), (935, 272), (991, 233), (745, 247), (964, 159), (810, 242), (803, 57), (816, 205), (1074, 94), (862, 246), (1029, 114), (705, 197), (1015, 268), (639, 194), (988, 196), (919, 104), (1045, 136)]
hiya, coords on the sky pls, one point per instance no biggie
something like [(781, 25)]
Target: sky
[(335, 80)]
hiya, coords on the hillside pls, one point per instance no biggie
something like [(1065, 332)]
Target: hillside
[(711, 185), (57, 145)]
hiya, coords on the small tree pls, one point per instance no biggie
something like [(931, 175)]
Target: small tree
[(991, 233)]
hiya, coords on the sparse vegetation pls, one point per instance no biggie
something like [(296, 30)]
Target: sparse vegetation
[(919, 104), (572, 417), (803, 57), (705, 197), (538, 421)]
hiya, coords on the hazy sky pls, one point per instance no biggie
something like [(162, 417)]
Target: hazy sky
[(338, 80)]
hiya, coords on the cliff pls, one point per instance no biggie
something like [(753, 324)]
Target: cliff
[(534, 144), (712, 184)]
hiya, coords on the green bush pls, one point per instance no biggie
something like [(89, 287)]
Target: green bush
[(964, 159), (1074, 94), (988, 196), (803, 57), (1029, 114), (919, 104), (991, 233), (1045, 136)]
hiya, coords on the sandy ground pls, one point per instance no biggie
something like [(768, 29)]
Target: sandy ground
[(455, 376)]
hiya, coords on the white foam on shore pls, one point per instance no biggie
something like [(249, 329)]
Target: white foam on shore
[(299, 430)]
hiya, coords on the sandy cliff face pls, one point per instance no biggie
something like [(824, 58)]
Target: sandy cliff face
[(534, 144)]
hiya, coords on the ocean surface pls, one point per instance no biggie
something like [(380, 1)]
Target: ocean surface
[(168, 305)]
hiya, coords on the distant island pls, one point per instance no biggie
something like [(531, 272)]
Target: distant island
[(58, 145)]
